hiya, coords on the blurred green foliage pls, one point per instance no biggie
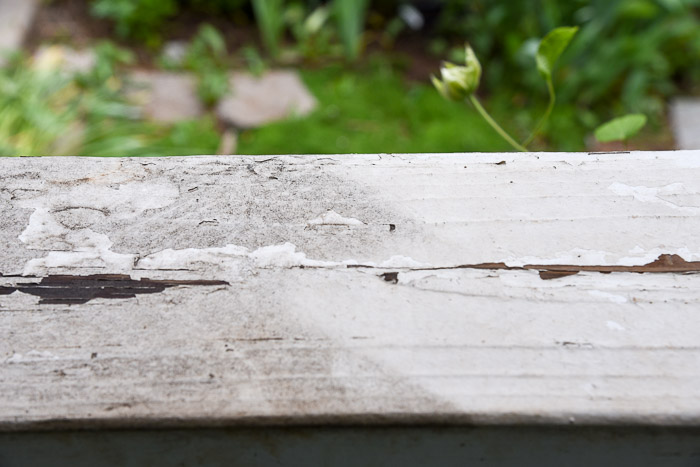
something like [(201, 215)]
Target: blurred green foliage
[(354, 117), (139, 19), (206, 57), (49, 111), (351, 17), (309, 28), (144, 19), (270, 17), (620, 128), (630, 55)]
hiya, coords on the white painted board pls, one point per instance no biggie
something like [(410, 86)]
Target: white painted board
[(350, 289)]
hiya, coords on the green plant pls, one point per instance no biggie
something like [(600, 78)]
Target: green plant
[(350, 15), (372, 109), (621, 128), (37, 108), (461, 82), (269, 15), (253, 60), (629, 55), (143, 20), (46, 111), (215, 7), (140, 19), (206, 58), (311, 32), (109, 58), (548, 52)]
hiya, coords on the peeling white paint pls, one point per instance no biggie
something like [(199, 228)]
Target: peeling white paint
[(100, 256), (576, 256), (85, 248), (189, 258), (640, 257), (653, 194), (231, 256), (71, 248), (284, 256), (42, 229), (122, 200), (333, 218), (278, 256)]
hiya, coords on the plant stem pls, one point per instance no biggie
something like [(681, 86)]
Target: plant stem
[(547, 113), (485, 115)]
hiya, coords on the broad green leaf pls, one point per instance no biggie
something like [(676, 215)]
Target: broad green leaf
[(621, 128), (551, 48)]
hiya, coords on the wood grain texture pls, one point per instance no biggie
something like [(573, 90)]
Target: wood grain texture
[(227, 291)]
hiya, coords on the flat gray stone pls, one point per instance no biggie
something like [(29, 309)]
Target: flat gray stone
[(257, 101), (65, 58), (164, 96), (685, 121), (15, 19)]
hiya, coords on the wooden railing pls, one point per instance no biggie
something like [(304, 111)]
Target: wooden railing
[(462, 290)]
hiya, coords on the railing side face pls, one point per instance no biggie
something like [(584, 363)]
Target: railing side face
[(406, 446)]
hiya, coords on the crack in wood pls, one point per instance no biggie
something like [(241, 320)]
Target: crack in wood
[(72, 289), (663, 264), (673, 264), (77, 290)]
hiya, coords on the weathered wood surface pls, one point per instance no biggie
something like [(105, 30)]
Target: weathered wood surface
[(495, 289)]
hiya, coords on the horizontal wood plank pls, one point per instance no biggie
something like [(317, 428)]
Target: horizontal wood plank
[(467, 288)]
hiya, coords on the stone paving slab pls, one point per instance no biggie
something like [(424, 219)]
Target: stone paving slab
[(256, 101), (165, 96), (64, 58), (685, 120)]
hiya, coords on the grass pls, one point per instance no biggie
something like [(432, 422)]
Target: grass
[(373, 111)]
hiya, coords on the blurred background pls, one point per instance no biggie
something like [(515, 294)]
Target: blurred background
[(178, 77)]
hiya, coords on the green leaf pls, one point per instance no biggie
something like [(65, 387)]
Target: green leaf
[(552, 47), (621, 128), (269, 15), (211, 36)]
